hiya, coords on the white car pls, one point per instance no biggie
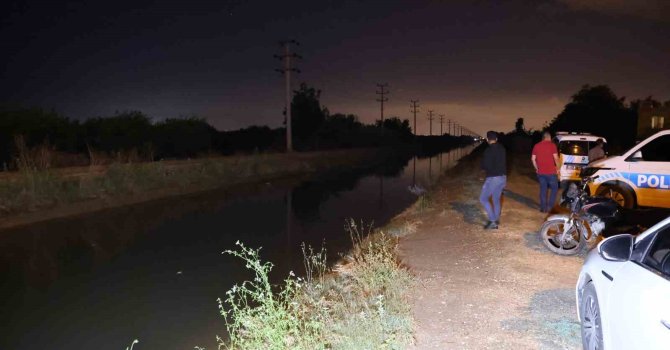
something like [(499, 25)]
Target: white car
[(623, 292), (573, 154), (639, 177)]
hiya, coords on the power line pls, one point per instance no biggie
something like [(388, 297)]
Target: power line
[(382, 99), (415, 106), (430, 118), (441, 122), (286, 70)]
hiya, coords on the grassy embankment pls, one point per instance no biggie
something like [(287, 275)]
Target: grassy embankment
[(72, 191), (362, 303)]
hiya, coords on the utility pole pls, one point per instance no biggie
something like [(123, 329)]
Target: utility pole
[(430, 118), (382, 99), (286, 70), (415, 106), (441, 122), (449, 127)]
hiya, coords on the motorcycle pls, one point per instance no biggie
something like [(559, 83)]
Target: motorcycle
[(589, 217)]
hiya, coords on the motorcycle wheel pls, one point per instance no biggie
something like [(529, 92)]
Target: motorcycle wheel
[(549, 235)]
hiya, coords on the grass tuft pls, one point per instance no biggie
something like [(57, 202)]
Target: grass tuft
[(361, 306), (423, 203), (403, 229)]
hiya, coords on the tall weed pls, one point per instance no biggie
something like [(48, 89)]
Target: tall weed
[(258, 317), (363, 306)]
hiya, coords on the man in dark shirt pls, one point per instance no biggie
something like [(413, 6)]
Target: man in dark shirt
[(494, 164)]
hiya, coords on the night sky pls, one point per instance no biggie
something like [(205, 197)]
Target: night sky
[(481, 63)]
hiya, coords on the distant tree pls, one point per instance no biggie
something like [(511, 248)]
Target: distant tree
[(397, 125), (307, 114), (343, 121), (122, 132), (650, 100), (519, 126), (339, 131), (596, 109), (36, 126), (184, 137), (251, 139)]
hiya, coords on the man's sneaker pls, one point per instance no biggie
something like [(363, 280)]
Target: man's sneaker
[(491, 225)]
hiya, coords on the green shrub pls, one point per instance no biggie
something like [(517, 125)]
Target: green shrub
[(260, 318), (363, 306)]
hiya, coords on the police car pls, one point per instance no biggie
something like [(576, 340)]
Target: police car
[(639, 177), (573, 149)]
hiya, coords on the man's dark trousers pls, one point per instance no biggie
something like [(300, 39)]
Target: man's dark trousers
[(547, 181), (492, 190)]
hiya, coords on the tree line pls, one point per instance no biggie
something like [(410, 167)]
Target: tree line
[(133, 136), (598, 110), (592, 109)]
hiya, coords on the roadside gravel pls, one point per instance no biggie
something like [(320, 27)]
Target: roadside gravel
[(483, 289)]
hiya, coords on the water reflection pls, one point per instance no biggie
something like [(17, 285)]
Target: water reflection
[(153, 271)]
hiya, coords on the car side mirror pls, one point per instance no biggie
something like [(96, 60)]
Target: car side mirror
[(617, 248)]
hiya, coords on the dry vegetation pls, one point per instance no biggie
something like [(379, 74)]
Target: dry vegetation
[(36, 186), (361, 305)]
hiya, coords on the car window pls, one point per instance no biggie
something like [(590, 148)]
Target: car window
[(575, 148), (658, 256), (657, 150)]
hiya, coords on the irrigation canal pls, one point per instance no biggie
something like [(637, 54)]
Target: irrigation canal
[(154, 271)]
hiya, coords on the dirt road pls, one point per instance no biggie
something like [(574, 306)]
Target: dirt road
[(483, 289)]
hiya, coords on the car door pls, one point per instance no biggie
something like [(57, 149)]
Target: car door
[(650, 173), (638, 312)]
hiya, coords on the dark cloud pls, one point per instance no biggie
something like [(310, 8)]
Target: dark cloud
[(484, 63), (656, 10)]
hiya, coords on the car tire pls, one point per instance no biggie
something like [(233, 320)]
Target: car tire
[(619, 194), (592, 332)]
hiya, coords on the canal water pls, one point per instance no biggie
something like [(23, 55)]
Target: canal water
[(154, 271)]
